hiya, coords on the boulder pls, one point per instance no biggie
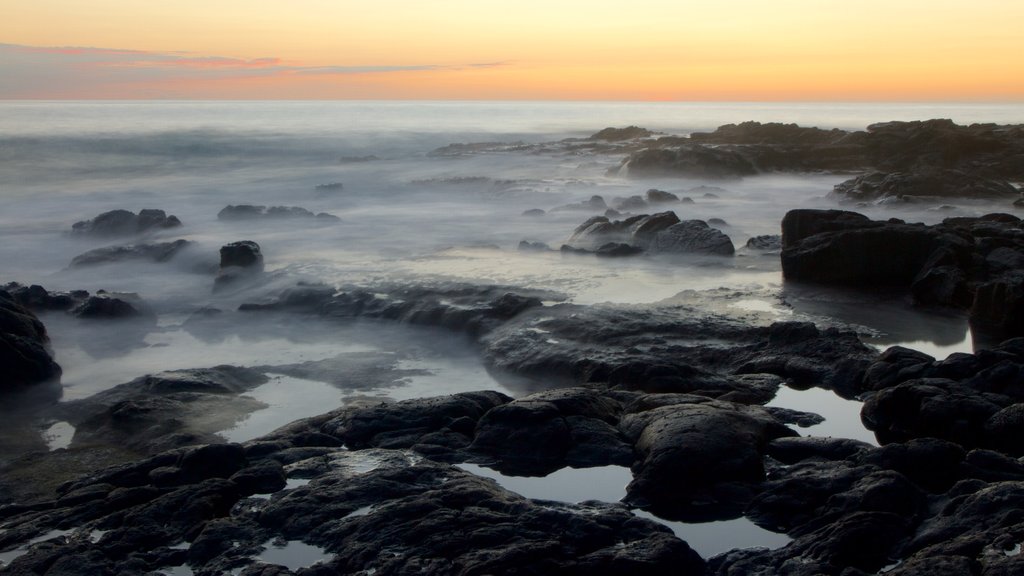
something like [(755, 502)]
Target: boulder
[(657, 233), (765, 243), (698, 459), (106, 307), (655, 196), (800, 224), (550, 430), (242, 254), (693, 237)]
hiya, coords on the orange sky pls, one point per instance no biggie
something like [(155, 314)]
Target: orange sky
[(526, 49)]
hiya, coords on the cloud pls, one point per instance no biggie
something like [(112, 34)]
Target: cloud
[(61, 72)]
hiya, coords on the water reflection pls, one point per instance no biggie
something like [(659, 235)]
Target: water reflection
[(887, 318), (608, 484)]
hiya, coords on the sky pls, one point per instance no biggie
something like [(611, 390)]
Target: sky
[(648, 50)]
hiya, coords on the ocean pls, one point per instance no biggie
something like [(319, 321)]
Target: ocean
[(425, 194), (411, 212)]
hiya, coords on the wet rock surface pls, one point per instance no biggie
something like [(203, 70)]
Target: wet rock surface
[(675, 395)]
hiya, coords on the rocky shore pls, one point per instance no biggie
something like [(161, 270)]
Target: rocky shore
[(678, 395)]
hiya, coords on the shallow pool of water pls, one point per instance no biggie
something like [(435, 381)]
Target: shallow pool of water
[(292, 554), (288, 399), (608, 484), (842, 416)]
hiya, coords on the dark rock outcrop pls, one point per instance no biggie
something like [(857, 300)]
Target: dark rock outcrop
[(765, 243), (699, 459), (962, 262), (125, 223), (970, 399), (986, 154), (238, 261), (694, 160), (928, 185), (618, 134), (660, 233), (24, 349), (693, 237), (251, 212), (655, 196), (104, 306)]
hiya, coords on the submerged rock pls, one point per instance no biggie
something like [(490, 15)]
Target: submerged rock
[(102, 306), (927, 185), (160, 252), (238, 261), (693, 237), (595, 203), (766, 243), (251, 212), (125, 223), (660, 233), (655, 196)]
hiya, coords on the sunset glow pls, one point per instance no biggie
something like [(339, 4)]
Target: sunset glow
[(448, 49)]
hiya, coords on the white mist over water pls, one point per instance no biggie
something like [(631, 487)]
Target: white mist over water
[(406, 216)]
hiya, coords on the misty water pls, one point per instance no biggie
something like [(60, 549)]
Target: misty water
[(407, 217)]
